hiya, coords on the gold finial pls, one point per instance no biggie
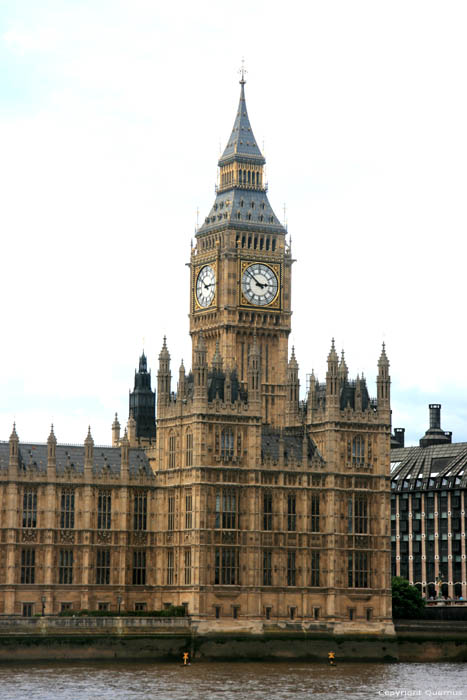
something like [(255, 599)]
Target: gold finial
[(242, 72)]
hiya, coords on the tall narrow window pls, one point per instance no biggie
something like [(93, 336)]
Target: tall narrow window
[(188, 510), (171, 511), (104, 510), (227, 508), (189, 450), (29, 507), (65, 566), (172, 451), (227, 444), (358, 569), (170, 567), (314, 580), (67, 509), (315, 526), (187, 567), (140, 510), (226, 566), (291, 512), (267, 510), (357, 514), (103, 567), (267, 567), (28, 565), (291, 569), (361, 514), (139, 567), (358, 451)]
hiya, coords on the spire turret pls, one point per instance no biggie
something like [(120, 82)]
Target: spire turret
[(383, 380), (164, 377)]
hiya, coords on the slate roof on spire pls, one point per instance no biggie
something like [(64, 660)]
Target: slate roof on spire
[(242, 143)]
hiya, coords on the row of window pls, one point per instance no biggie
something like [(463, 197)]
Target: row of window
[(67, 509), (226, 567)]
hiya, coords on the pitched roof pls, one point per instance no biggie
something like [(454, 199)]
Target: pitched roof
[(242, 143)]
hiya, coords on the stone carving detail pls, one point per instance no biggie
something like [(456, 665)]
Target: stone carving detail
[(29, 536), (67, 537), (140, 537), (104, 536)]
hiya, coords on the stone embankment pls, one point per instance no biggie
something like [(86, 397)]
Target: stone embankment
[(69, 638)]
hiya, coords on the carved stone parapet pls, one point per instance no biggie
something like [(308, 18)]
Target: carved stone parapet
[(104, 537), (29, 535), (139, 538), (67, 537)]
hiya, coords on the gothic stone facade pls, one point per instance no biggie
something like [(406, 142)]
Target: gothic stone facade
[(259, 506)]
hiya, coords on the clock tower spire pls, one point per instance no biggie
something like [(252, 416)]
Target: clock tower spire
[(241, 271)]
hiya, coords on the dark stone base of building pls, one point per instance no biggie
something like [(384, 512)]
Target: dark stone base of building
[(51, 639)]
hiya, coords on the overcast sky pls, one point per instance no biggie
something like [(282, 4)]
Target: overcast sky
[(112, 114)]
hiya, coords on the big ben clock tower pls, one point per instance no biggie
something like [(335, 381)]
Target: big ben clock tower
[(241, 271)]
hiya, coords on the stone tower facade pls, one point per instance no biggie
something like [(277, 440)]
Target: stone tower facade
[(248, 506), (272, 507)]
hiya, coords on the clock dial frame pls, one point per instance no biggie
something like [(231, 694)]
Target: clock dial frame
[(260, 284), (205, 286)]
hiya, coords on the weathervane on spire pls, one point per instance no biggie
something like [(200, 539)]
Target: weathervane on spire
[(242, 72)]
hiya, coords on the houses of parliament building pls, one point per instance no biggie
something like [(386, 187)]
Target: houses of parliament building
[(225, 492)]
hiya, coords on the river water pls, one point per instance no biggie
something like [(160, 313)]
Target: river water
[(226, 681)]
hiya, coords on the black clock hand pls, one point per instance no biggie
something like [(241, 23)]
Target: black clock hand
[(260, 284)]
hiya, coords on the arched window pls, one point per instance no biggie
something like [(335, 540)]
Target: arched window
[(172, 451)]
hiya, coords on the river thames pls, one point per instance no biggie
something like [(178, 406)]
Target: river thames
[(223, 681)]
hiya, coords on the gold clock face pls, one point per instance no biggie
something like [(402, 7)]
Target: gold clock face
[(205, 286), (260, 285)]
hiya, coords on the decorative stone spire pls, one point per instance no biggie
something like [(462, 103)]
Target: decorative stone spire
[(332, 376), (383, 380), (343, 370), (51, 447), (131, 429), (293, 389), (115, 432), (164, 378), (88, 452), (217, 359), (14, 449), (200, 369), (181, 388), (254, 372)]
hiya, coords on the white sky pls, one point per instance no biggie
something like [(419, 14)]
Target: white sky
[(112, 114)]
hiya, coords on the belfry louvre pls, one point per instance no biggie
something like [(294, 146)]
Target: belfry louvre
[(240, 501)]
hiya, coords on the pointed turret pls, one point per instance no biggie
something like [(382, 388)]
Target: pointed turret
[(293, 389), (200, 369), (343, 369), (383, 381), (143, 402), (217, 359), (181, 387), (88, 453), (163, 377), (14, 450), (51, 451), (125, 457), (254, 372), (131, 427), (332, 389), (115, 432)]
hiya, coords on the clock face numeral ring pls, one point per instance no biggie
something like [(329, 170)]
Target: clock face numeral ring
[(259, 284), (205, 286)]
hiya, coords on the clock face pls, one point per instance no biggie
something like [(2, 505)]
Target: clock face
[(205, 286), (259, 284)]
